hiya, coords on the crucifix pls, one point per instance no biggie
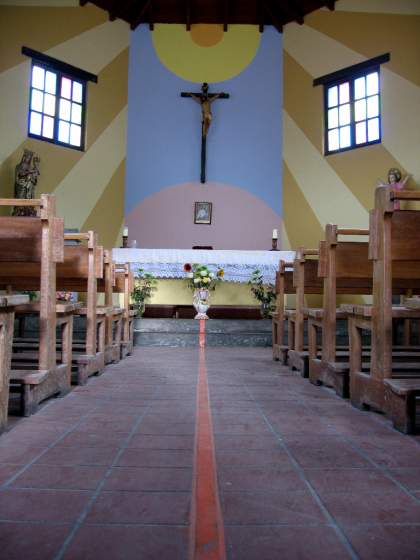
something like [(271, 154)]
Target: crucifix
[(205, 99)]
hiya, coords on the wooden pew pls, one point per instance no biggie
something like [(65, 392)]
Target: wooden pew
[(80, 272), (30, 248), (284, 285), (7, 314), (305, 281), (394, 249), (345, 268), (124, 284), (114, 321)]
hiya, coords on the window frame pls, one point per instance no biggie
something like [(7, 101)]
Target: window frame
[(350, 75), (61, 70)]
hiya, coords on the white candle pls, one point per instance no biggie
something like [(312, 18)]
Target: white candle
[(125, 232), (275, 234)]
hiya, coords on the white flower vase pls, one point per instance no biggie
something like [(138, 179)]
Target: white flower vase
[(201, 303)]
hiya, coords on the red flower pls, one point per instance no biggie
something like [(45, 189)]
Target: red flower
[(187, 267)]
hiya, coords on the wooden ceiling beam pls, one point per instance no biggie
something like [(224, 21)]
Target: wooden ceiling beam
[(135, 21), (275, 21), (188, 15), (296, 11), (226, 15), (112, 10), (150, 12)]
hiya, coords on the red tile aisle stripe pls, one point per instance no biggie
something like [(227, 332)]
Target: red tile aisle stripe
[(207, 540)]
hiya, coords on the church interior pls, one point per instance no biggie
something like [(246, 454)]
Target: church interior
[(209, 279)]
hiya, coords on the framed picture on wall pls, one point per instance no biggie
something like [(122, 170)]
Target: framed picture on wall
[(202, 212)]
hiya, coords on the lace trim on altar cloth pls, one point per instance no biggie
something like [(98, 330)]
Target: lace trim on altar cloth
[(233, 272)]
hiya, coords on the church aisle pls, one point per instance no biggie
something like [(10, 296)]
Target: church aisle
[(107, 472)]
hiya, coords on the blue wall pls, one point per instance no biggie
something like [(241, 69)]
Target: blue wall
[(244, 144)]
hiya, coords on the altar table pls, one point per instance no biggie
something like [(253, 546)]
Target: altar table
[(237, 265)]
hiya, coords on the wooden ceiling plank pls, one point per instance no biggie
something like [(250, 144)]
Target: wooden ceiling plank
[(135, 21)]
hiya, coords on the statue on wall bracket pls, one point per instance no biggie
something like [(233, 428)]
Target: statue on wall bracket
[(26, 178), (205, 99)]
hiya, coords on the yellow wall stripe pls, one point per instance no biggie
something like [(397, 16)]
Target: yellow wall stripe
[(376, 34), (41, 29), (91, 50), (408, 7), (79, 191), (302, 225), (109, 209), (329, 198)]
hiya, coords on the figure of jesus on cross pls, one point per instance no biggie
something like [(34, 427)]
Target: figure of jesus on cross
[(205, 99)]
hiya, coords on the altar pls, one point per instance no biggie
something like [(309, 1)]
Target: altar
[(168, 266)]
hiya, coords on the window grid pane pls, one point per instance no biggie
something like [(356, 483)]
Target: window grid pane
[(353, 112), (56, 110)]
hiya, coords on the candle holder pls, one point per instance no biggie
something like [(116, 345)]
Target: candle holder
[(125, 242), (274, 245)]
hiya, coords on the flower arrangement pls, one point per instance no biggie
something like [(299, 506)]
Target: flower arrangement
[(200, 277), (66, 296), (144, 286), (264, 293)]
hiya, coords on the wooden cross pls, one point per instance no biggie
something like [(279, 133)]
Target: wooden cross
[(205, 99)]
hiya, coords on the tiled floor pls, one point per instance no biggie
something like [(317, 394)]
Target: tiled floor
[(106, 473)]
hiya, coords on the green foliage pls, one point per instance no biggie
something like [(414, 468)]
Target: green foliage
[(32, 295), (144, 286), (264, 293)]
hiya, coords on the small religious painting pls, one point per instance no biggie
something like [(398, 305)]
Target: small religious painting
[(202, 213)]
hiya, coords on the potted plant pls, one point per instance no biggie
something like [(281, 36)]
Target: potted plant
[(144, 286), (264, 293), (202, 280)]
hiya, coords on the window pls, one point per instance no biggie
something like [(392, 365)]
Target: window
[(57, 101), (352, 106)]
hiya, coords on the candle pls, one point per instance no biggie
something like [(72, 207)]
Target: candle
[(275, 234), (125, 231)]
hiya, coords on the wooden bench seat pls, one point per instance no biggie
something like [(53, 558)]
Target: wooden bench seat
[(394, 250), (30, 249), (7, 309)]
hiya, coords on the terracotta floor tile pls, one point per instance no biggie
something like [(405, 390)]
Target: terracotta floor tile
[(358, 508), (410, 478), (250, 458), (240, 442), (324, 451), (149, 479), (22, 541), (6, 471), (60, 477), (42, 505), (291, 543), (385, 543), (260, 479), (156, 458), (19, 454), (74, 456), (129, 543), (141, 507), (245, 508), (144, 441), (346, 480)]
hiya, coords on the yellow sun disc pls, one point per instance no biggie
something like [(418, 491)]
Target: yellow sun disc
[(217, 61)]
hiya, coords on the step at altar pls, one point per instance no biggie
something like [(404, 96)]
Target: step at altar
[(219, 332)]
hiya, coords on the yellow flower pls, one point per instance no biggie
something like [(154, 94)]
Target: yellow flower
[(220, 273)]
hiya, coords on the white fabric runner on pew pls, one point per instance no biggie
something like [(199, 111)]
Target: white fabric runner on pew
[(238, 265)]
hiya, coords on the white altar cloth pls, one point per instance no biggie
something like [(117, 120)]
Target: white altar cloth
[(238, 265)]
